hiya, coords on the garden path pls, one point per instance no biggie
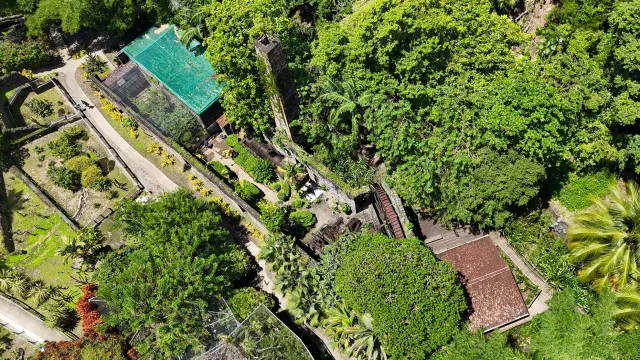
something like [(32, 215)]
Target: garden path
[(25, 324), (150, 176)]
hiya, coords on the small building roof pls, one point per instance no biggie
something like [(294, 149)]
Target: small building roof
[(184, 70), (495, 297)]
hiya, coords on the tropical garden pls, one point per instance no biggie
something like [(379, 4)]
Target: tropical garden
[(476, 121)]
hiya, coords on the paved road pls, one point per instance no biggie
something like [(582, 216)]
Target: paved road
[(150, 176), (23, 323)]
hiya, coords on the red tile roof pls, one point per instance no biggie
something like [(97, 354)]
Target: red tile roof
[(495, 297)]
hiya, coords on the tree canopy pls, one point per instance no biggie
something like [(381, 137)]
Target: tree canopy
[(427, 301), (178, 262)]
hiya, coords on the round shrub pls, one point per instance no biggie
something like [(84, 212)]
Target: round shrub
[(285, 192), (79, 163), (248, 191), (231, 140), (243, 301), (297, 203), (63, 177), (272, 215), (92, 178), (304, 218), (414, 298), (261, 170)]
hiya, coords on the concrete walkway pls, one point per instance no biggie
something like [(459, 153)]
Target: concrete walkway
[(150, 176), (540, 304), (23, 323)]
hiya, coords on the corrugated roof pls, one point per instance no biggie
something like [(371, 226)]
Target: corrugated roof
[(495, 297), (184, 70)]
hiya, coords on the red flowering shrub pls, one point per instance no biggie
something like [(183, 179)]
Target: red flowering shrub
[(88, 313)]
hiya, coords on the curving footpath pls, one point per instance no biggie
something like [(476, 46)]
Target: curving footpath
[(25, 324)]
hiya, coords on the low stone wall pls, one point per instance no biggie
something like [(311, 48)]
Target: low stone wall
[(227, 193)]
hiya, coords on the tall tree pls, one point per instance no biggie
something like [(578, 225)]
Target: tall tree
[(179, 261)]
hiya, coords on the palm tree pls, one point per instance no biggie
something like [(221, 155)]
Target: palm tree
[(6, 277), (605, 239), (192, 18), (40, 292), (19, 286), (627, 314), (366, 344), (292, 171), (338, 322)]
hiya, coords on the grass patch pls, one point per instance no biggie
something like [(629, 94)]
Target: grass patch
[(579, 189), (23, 114), (38, 233)]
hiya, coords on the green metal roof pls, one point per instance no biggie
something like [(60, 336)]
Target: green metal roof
[(184, 70)]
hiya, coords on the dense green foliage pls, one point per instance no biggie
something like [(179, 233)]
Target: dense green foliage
[(604, 240), (261, 170), (63, 177), (65, 145), (233, 27), (24, 54), (272, 216), (85, 348), (577, 193), (92, 178), (467, 346), (179, 259), (244, 301), (79, 163), (547, 252), (248, 192), (427, 299)]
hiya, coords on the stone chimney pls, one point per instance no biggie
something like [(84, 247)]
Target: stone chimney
[(279, 82)]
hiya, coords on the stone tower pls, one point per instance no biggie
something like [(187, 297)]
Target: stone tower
[(279, 82)]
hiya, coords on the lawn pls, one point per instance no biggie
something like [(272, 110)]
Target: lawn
[(24, 116), (96, 202), (577, 192), (38, 233)]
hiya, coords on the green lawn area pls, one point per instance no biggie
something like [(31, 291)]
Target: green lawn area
[(38, 233), (24, 116), (577, 192), (4, 96)]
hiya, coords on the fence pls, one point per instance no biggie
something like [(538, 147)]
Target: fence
[(197, 165)]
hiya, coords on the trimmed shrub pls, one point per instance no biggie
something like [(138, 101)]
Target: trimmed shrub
[(79, 163), (298, 203), (92, 178), (304, 218), (272, 215), (415, 299), (261, 170), (64, 146), (220, 169), (248, 192), (285, 192), (63, 177), (243, 301)]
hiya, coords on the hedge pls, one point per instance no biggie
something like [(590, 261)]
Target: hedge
[(248, 192), (261, 170)]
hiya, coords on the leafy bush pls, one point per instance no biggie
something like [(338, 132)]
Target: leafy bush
[(284, 192), (220, 169), (92, 178), (63, 177), (415, 299), (61, 316), (261, 170), (79, 163), (530, 236), (27, 54), (300, 222), (304, 218), (298, 203), (65, 145), (578, 191), (272, 215), (243, 301), (40, 107), (113, 348), (248, 192)]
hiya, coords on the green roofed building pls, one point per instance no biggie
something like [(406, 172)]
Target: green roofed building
[(183, 70)]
